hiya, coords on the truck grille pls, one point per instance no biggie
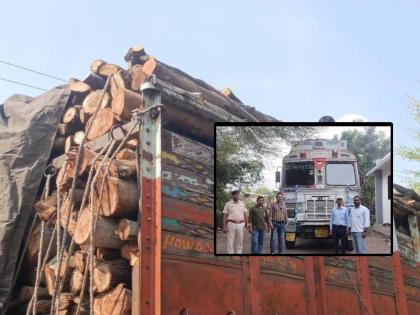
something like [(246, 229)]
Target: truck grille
[(319, 209)]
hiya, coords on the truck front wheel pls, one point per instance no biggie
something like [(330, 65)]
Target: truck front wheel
[(290, 245)]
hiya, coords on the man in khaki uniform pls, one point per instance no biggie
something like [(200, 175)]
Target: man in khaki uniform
[(234, 223)]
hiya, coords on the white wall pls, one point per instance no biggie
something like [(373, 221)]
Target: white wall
[(386, 171)]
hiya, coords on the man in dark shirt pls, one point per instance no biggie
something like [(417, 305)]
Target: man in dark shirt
[(277, 221), (257, 224)]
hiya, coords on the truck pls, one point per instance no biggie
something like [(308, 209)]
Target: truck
[(314, 174)]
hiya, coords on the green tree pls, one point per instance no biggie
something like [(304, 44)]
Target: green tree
[(368, 146), (413, 153), (240, 151)]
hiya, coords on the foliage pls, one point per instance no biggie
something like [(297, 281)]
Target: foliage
[(240, 151), (413, 153), (368, 146)]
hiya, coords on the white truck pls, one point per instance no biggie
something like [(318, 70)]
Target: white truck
[(314, 174)]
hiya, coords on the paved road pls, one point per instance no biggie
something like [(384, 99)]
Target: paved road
[(376, 244)]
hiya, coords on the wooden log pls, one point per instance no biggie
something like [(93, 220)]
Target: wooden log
[(84, 308), (120, 80), (78, 86), (50, 270), (124, 169), (59, 143), (78, 137), (80, 257), (31, 275), (114, 302), (132, 144), (66, 300), (31, 256), (126, 154), (96, 65), (107, 253), (95, 81), (138, 77), (104, 234), (127, 230), (46, 209), (93, 100), (26, 293), (43, 306), (108, 274), (71, 116), (229, 93), (100, 124), (76, 281), (107, 69), (124, 102), (119, 199), (135, 55), (65, 209), (190, 84), (69, 143), (84, 117), (135, 287), (130, 252), (67, 129)]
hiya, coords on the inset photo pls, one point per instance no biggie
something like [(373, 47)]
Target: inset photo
[(303, 189)]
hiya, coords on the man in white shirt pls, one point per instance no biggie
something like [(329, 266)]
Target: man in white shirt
[(359, 222), (234, 223), (338, 226)]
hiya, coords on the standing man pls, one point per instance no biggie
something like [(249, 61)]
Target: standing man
[(234, 222), (257, 224), (277, 220), (338, 226), (359, 222)]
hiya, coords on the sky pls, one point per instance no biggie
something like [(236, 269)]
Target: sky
[(293, 60)]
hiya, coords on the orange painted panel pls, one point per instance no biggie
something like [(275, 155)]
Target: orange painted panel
[(384, 304), (282, 295), (342, 301)]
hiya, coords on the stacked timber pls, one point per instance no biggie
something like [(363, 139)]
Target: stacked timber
[(101, 217)]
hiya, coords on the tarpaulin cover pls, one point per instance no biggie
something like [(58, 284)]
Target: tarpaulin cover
[(27, 131)]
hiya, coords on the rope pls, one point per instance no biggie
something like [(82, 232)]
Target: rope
[(57, 286), (38, 268)]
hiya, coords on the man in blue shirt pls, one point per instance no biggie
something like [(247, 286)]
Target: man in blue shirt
[(338, 226)]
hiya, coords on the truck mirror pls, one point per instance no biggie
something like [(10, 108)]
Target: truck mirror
[(277, 176)]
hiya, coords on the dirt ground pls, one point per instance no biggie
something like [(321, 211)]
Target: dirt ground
[(376, 244)]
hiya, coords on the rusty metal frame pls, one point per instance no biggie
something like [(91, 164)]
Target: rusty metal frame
[(251, 275), (362, 268), (150, 233), (315, 285)]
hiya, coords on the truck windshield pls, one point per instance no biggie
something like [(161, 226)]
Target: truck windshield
[(299, 173), (340, 174)]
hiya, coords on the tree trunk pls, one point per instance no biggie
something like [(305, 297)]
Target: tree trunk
[(100, 124), (135, 55), (91, 101), (67, 129), (69, 143), (78, 137), (127, 230), (119, 198), (130, 251), (104, 234), (80, 258), (43, 306), (27, 292), (96, 65), (107, 69), (107, 253), (33, 243), (76, 281), (71, 116), (120, 168), (108, 274), (96, 82), (120, 80), (115, 302), (138, 77), (84, 117), (78, 86), (132, 144), (135, 287), (124, 102), (126, 154), (50, 270)]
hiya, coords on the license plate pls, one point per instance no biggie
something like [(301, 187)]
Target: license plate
[(321, 233), (290, 237)]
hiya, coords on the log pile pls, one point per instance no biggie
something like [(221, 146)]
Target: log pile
[(190, 108)]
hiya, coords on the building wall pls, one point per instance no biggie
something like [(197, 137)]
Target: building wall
[(386, 203)]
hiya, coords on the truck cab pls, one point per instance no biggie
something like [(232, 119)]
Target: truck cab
[(314, 174)]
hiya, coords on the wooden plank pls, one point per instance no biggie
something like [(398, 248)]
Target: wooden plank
[(187, 179), (187, 211), (186, 195)]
